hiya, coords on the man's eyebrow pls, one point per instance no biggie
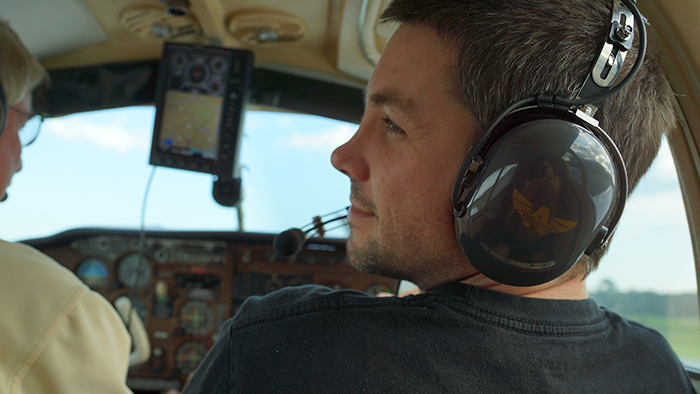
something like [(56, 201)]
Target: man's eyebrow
[(393, 99)]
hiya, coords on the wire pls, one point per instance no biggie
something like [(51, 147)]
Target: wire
[(239, 215), (142, 244), (338, 226)]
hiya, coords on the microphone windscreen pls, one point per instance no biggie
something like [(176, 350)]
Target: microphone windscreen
[(288, 243)]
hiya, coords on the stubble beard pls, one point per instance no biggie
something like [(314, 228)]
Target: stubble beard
[(371, 259), (399, 249), (380, 259)]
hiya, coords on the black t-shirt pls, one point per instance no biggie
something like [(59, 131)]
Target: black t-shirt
[(454, 339)]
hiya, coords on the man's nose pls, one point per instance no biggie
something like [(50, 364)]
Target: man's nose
[(350, 160)]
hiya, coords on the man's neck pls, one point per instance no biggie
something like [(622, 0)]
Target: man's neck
[(568, 287)]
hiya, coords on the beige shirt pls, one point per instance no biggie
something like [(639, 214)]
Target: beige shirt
[(56, 335)]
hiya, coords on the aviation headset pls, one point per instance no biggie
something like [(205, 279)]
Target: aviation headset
[(544, 184)]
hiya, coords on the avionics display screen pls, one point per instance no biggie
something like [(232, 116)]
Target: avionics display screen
[(201, 96), (193, 104), (190, 125)]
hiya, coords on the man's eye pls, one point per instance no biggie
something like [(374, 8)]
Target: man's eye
[(391, 126)]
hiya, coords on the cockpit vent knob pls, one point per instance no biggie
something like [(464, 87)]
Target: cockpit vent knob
[(156, 22), (266, 28)]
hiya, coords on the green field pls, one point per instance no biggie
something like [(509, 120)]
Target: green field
[(683, 333)]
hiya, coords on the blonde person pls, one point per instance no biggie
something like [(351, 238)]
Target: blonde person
[(56, 335)]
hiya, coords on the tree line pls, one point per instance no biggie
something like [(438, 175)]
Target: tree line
[(646, 303)]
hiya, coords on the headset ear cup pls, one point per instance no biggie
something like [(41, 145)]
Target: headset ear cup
[(546, 189)]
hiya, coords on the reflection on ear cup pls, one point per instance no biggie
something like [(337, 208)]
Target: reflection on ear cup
[(547, 188), (3, 109)]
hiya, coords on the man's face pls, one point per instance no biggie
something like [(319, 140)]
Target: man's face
[(402, 163), (10, 147)]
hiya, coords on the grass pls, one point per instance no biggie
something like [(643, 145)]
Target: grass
[(683, 333)]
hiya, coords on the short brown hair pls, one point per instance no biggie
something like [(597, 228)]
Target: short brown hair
[(20, 71), (506, 50)]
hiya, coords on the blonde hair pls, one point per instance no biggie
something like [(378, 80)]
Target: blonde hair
[(20, 71)]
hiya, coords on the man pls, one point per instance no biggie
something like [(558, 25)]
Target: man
[(56, 335), (447, 71)]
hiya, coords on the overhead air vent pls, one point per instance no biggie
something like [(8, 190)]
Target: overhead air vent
[(266, 28), (153, 22)]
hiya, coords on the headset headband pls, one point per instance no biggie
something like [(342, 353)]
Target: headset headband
[(595, 90)]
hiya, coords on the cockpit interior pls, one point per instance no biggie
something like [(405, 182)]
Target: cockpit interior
[(125, 75)]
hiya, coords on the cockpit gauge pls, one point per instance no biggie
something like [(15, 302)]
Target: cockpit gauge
[(133, 273), (218, 64), (272, 284), (140, 307), (375, 289), (197, 73), (196, 318), (216, 87), (93, 272), (179, 60), (189, 355), (336, 286)]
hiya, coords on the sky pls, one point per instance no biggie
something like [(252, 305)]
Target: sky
[(91, 170)]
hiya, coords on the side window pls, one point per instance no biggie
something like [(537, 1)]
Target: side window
[(648, 275)]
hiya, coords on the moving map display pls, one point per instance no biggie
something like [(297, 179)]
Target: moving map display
[(191, 124), (193, 104)]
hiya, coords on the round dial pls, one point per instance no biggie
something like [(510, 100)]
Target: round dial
[(218, 65), (197, 73), (134, 273), (196, 317), (375, 289), (272, 284), (188, 356), (93, 272), (336, 286), (216, 87), (179, 60), (140, 307)]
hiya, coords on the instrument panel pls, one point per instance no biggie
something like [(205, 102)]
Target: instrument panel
[(184, 285)]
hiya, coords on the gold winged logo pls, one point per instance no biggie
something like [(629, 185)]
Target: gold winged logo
[(540, 217)]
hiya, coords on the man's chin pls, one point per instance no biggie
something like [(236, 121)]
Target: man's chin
[(366, 257)]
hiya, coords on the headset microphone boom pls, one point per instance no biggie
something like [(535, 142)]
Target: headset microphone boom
[(290, 242)]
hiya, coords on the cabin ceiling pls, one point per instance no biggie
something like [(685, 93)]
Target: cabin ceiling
[(335, 41), (312, 38), (323, 39)]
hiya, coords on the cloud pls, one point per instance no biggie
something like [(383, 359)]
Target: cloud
[(285, 121), (321, 142), (656, 209), (253, 122), (112, 137)]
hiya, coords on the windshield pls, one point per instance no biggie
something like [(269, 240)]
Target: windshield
[(91, 170)]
